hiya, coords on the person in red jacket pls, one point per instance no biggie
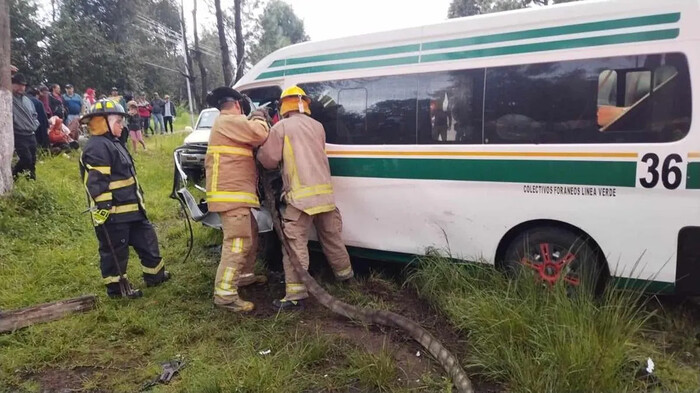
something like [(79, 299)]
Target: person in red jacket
[(145, 109)]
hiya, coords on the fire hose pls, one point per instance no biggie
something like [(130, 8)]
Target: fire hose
[(380, 317)]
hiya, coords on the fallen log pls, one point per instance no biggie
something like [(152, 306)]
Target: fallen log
[(18, 319)]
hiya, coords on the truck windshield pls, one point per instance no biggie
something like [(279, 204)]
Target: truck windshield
[(206, 119)]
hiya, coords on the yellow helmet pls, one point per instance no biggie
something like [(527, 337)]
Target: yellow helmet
[(289, 103), (295, 91)]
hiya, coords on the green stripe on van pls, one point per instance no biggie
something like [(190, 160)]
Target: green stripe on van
[(591, 173), (271, 74), (693, 180), (554, 45), (499, 51), (554, 31), (349, 55), (649, 20), (354, 65)]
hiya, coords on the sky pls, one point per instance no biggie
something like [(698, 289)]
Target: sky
[(326, 19)]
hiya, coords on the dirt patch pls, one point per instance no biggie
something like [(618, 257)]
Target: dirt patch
[(411, 359), (54, 380)]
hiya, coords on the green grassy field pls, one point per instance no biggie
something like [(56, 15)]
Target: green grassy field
[(522, 340), (48, 252)]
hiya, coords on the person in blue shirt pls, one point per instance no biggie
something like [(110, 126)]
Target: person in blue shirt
[(73, 103)]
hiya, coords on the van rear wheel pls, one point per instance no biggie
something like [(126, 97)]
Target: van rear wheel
[(552, 254)]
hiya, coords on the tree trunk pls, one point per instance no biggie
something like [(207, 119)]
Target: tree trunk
[(225, 55), (198, 58), (188, 58), (7, 136), (240, 43)]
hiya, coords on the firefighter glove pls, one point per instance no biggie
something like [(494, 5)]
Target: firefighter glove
[(261, 114)]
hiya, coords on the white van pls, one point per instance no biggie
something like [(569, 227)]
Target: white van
[(556, 138)]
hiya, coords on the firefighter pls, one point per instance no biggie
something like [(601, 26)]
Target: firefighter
[(116, 203), (232, 191), (298, 142)]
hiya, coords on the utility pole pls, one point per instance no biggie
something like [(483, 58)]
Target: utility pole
[(7, 136)]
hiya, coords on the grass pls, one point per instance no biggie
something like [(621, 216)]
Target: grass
[(48, 252), (182, 119), (536, 339), (519, 336)]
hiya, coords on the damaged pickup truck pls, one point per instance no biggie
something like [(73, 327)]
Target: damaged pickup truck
[(189, 182)]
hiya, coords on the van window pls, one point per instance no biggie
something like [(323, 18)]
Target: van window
[(367, 111), (267, 97), (629, 99), (450, 107)]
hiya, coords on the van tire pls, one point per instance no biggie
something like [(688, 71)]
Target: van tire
[(553, 254)]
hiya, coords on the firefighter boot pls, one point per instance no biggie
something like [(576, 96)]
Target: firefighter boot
[(284, 304), (166, 277), (238, 305), (114, 290)]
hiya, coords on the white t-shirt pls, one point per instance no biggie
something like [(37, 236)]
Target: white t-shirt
[(167, 109)]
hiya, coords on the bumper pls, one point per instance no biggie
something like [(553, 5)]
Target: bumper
[(189, 159)]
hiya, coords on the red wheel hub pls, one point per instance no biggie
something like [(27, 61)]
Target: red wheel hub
[(550, 270)]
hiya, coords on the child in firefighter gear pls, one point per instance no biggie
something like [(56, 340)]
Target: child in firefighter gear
[(116, 202), (232, 191), (298, 142)]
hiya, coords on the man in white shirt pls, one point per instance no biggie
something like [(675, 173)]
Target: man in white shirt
[(168, 113)]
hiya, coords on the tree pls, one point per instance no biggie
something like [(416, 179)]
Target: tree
[(25, 51), (215, 76), (223, 45), (188, 59), (280, 27), (6, 132), (240, 42), (198, 58), (459, 8)]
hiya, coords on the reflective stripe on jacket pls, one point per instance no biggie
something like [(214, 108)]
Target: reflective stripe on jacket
[(230, 167), (110, 181), (299, 143)]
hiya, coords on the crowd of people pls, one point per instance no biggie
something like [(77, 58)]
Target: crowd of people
[(47, 117)]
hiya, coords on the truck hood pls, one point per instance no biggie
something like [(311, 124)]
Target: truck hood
[(198, 136)]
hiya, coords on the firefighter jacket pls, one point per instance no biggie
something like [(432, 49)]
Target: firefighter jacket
[(231, 173), (299, 142), (110, 179)]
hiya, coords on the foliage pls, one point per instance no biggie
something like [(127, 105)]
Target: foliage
[(459, 8), (26, 34), (537, 339), (280, 27)]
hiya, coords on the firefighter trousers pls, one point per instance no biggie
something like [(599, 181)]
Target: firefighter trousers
[(238, 252), (328, 226), (142, 237)]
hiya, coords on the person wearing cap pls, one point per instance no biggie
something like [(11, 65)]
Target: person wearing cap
[(298, 143), (116, 202), (24, 124), (114, 96), (158, 107), (74, 104), (232, 181)]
